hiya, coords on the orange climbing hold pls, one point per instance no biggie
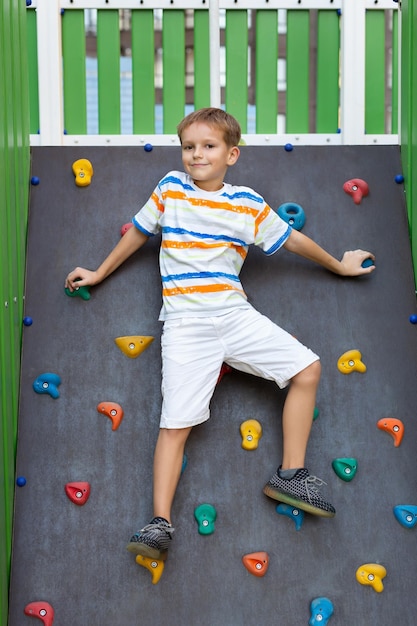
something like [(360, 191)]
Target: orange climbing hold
[(394, 427), (154, 566), (83, 171), (133, 345), (371, 574), (42, 610), (256, 563), (113, 411), (251, 432)]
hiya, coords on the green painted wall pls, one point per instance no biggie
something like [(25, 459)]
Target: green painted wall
[(14, 169), (409, 115)]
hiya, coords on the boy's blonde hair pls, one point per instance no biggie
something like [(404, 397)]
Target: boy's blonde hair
[(217, 118)]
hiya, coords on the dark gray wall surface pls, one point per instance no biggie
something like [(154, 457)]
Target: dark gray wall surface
[(75, 557)]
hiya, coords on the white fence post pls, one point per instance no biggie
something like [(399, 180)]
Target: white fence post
[(214, 33), (352, 103), (51, 121)]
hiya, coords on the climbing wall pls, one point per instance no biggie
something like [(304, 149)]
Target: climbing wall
[(85, 475)]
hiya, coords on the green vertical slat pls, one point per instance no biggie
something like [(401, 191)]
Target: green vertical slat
[(32, 55), (375, 72), (237, 65), (173, 97), (328, 43), (266, 88), (394, 93), (143, 61), (74, 70), (298, 52), (201, 59), (108, 66)]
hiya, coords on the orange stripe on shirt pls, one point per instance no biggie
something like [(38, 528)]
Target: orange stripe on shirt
[(177, 291), (226, 206), (196, 244), (158, 204), (261, 218)]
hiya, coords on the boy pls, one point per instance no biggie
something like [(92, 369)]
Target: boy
[(207, 226)]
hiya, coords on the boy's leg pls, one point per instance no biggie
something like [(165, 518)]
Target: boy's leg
[(154, 539)]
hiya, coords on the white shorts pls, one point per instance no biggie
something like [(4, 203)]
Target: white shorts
[(194, 349)]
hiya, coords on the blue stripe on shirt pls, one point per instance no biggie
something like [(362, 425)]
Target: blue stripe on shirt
[(190, 275), (183, 231)]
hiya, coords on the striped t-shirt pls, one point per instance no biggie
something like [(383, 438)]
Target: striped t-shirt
[(205, 240)]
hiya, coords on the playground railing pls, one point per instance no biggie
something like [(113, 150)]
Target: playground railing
[(291, 71)]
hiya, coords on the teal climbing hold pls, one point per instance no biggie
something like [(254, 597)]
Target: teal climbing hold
[(205, 515), (345, 468), (80, 292), (297, 515), (321, 611), (406, 515), (316, 413)]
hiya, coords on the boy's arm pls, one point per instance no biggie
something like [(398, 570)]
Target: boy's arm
[(350, 265), (131, 241)]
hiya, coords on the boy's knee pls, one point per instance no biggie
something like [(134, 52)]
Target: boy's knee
[(310, 375)]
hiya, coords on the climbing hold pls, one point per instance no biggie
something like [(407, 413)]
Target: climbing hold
[(406, 515), (184, 463), (350, 361), (345, 468), (413, 319), (256, 563), (293, 214), (113, 410), (316, 413), (42, 610), (205, 515), (35, 181), (133, 345), (154, 566), (125, 228), (399, 178), (83, 171), (251, 432), (367, 262), (78, 492), (225, 369), (297, 515), (288, 147), (81, 292), (321, 611), (20, 481), (394, 427), (357, 188), (27, 321), (371, 574), (47, 383), (148, 147)]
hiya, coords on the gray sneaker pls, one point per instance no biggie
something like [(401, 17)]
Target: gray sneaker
[(153, 540), (300, 491)]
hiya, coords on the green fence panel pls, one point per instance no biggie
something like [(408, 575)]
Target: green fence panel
[(201, 59), (395, 56), (32, 56), (327, 86), (74, 70), (143, 79), (298, 75), (266, 89), (237, 65), (375, 72), (173, 97), (108, 67)]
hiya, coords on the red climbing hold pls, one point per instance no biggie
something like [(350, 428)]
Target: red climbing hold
[(78, 492), (256, 563), (42, 610), (225, 369), (357, 188)]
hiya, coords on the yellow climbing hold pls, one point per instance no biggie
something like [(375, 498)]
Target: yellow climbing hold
[(83, 171), (133, 345), (371, 574), (154, 566), (251, 432), (351, 361)]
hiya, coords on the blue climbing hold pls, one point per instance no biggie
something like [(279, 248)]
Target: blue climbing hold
[(399, 179), (27, 321), (35, 180), (288, 147), (413, 319), (321, 611), (20, 481), (293, 214), (406, 515), (367, 262), (297, 515), (47, 383), (148, 147)]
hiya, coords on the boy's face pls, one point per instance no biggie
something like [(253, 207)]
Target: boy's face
[(206, 156)]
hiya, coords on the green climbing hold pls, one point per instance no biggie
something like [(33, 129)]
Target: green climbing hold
[(345, 468), (205, 515), (81, 292)]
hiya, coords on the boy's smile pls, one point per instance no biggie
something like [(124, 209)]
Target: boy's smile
[(206, 156)]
